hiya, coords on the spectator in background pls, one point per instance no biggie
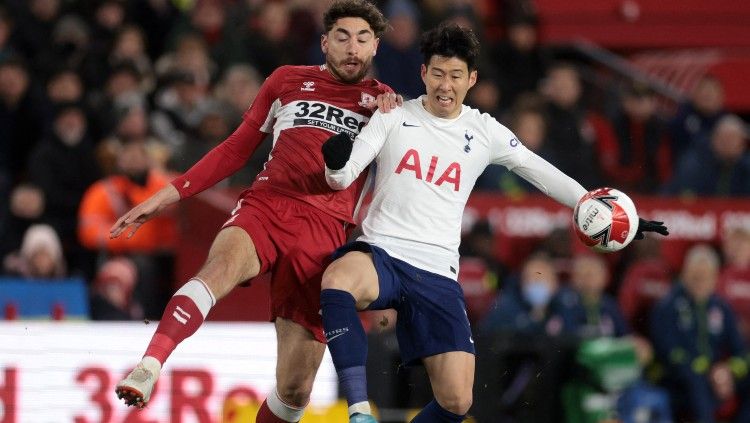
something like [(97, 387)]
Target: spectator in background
[(639, 160), (109, 198), (208, 20), (70, 47), (479, 270), (130, 46), (25, 208), (647, 280), (112, 291), (180, 107), (723, 170), (524, 308), (237, 89), (575, 133), (107, 19), (153, 247), (268, 42), (692, 125), (586, 310), (63, 166), (734, 282), (399, 60), (40, 255), (123, 84), (34, 22), (695, 337), (24, 116), (518, 59), (156, 18), (529, 124), (6, 29)]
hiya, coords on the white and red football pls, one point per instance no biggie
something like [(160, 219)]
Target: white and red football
[(605, 219)]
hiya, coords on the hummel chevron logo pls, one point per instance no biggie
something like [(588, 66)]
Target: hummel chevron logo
[(181, 315), (409, 126)]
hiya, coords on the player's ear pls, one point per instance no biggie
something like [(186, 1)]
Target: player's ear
[(324, 43), (423, 72), (472, 78)]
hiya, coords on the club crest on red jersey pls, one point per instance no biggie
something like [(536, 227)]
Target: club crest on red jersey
[(366, 100)]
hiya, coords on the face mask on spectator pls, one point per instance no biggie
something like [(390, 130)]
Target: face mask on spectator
[(537, 293)]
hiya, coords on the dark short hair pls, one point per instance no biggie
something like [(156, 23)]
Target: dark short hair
[(356, 9), (451, 40)]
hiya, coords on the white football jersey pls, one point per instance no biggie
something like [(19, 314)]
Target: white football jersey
[(426, 168)]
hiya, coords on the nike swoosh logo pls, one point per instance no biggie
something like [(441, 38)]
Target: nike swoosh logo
[(409, 126), (335, 336)]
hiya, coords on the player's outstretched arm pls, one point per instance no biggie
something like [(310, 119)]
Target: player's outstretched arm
[(141, 213)]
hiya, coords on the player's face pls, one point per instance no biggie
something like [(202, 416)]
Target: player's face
[(349, 47), (447, 80)]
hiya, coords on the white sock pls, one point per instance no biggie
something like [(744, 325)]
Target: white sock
[(283, 410), (360, 407), (151, 364), (198, 291)]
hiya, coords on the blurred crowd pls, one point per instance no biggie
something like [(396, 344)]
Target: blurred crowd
[(103, 101)]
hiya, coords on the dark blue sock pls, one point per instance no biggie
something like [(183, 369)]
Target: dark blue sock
[(434, 413), (347, 342)]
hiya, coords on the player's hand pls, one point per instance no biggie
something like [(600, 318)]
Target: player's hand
[(141, 213), (650, 226), (336, 151), (386, 102)]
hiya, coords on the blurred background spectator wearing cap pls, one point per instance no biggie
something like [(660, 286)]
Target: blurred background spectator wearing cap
[(112, 291), (40, 256)]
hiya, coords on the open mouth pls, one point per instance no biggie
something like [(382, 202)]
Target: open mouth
[(351, 66), (444, 100)]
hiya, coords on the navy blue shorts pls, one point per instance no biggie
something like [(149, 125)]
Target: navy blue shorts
[(431, 309)]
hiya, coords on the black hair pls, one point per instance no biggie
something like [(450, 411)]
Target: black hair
[(356, 9), (451, 40)]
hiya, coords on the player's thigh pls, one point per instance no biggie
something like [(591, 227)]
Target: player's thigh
[(452, 379), (355, 273), (299, 356), (232, 259)]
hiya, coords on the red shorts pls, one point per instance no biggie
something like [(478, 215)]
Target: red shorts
[(294, 241)]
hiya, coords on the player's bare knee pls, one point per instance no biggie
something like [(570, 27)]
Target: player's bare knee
[(336, 278), (295, 393), (456, 402)]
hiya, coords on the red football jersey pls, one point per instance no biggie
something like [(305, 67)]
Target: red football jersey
[(301, 106)]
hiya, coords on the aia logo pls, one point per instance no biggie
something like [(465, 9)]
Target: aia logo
[(308, 86), (366, 99), (468, 137), (412, 162)]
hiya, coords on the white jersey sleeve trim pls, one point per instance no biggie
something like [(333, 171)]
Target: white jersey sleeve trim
[(550, 180)]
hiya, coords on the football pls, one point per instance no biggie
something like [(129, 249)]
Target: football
[(605, 219)]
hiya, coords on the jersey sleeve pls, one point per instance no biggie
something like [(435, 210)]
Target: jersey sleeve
[(260, 113), (366, 147), (223, 160), (505, 148), (508, 151)]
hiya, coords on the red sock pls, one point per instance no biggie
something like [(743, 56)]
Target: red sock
[(265, 415), (181, 319)]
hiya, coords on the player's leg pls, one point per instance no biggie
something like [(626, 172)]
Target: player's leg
[(232, 259), (349, 284), (452, 379), (299, 356)]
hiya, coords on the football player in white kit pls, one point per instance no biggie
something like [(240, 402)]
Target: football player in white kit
[(427, 156)]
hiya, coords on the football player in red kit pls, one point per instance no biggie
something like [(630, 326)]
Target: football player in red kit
[(289, 221)]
